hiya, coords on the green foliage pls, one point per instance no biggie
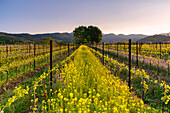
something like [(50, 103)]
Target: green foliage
[(11, 40), (58, 37), (95, 34), (45, 40), (90, 34), (80, 34)]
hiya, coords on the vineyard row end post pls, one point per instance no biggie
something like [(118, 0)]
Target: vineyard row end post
[(129, 65), (68, 50), (103, 53), (137, 54), (51, 63)]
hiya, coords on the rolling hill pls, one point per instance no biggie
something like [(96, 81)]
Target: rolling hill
[(60, 37), (68, 37), (155, 38), (11, 40), (121, 37)]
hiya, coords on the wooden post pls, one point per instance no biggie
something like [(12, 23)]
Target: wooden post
[(24, 69), (160, 50), (68, 50), (117, 49), (129, 65), (103, 53), (34, 55), (0, 58), (137, 54), (6, 51), (51, 63), (29, 49), (168, 68)]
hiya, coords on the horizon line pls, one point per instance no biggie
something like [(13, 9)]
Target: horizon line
[(72, 32)]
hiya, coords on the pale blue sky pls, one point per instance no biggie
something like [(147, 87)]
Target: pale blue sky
[(111, 16)]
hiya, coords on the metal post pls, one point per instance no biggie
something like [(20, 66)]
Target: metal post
[(68, 50), (60, 49), (129, 65), (117, 49), (51, 63), (6, 51), (29, 49), (0, 58), (34, 55), (168, 68), (137, 54), (160, 50), (103, 53)]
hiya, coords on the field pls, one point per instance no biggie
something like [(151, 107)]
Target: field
[(85, 78)]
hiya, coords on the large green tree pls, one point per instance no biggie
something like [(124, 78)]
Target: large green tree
[(80, 34), (90, 34), (95, 34)]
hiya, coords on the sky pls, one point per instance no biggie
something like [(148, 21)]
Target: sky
[(111, 16)]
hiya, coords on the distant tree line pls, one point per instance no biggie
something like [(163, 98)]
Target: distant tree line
[(11, 40)]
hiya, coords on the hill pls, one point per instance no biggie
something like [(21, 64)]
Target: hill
[(68, 37), (59, 37), (11, 40), (121, 37), (155, 38)]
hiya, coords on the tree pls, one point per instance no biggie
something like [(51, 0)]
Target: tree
[(80, 34), (95, 34), (46, 40), (90, 34)]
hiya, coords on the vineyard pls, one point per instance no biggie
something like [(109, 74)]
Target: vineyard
[(110, 78)]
